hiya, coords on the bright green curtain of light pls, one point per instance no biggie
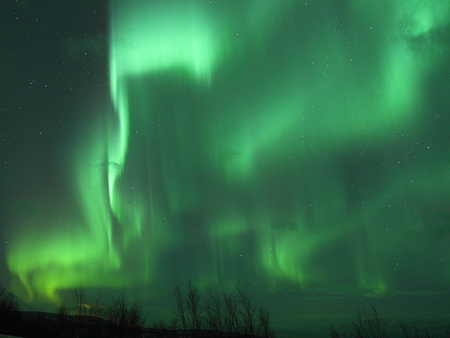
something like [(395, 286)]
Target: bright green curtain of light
[(227, 117)]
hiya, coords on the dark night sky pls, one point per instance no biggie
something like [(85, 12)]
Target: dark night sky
[(299, 148)]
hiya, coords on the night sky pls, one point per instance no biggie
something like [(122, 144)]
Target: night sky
[(298, 148)]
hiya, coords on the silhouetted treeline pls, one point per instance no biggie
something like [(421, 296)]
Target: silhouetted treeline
[(233, 314), (370, 325), (195, 316), (216, 316)]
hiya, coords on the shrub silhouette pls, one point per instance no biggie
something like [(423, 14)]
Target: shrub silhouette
[(370, 325), (366, 325)]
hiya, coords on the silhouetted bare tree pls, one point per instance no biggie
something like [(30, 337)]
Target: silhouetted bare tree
[(7, 300), (369, 325), (247, 311), (9, 309), (179, 314), (79, 301), (213, 311), (194, 306), (125, 315), (231, 314), (264, 323), (97, 308)]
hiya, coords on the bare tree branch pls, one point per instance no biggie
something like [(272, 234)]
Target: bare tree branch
[(213, 311), (179, 314), (231, 315), (79, 301), (247, 311), (194, 306)]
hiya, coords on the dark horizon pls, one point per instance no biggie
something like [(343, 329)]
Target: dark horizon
[(98, 316), (298, 149)]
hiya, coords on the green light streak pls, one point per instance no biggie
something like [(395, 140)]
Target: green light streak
[(160, 36)]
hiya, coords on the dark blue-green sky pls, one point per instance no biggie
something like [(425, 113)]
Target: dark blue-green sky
[(299, 148)]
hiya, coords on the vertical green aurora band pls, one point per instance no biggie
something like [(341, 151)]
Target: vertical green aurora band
[(241, 179), (158, 36)]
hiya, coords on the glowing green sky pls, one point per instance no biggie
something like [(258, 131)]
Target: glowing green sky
[(291, 146)]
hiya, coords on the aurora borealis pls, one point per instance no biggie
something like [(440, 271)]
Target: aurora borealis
[(296, 147)]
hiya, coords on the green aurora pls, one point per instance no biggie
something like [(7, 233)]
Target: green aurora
[(280, 143)]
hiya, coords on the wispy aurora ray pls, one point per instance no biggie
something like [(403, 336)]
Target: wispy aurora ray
[(242, 147), (151, 38)]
